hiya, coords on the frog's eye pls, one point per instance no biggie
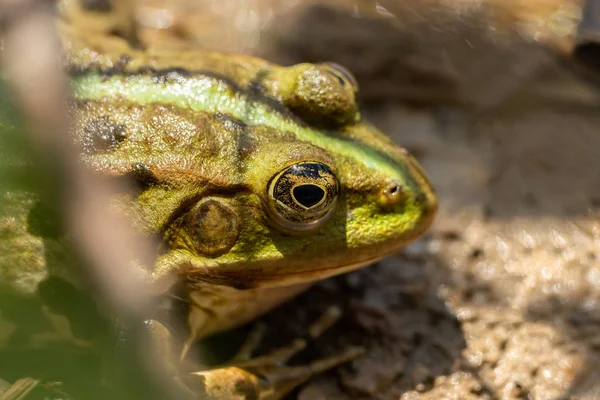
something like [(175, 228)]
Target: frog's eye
[(302, 196), (323, 94)]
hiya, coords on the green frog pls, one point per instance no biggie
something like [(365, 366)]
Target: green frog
[(258, 180)]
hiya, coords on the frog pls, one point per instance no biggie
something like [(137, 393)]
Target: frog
[(257, 180)]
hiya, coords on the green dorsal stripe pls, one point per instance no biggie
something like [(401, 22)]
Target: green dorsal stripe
[(208, 94)]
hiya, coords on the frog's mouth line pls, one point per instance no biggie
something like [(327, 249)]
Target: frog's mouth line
[(260, 278), (269, 280), (313, 275)]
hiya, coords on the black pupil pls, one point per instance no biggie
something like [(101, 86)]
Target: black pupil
[(308, 195)]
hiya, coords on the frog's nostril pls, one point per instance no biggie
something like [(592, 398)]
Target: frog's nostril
[(391, 194)]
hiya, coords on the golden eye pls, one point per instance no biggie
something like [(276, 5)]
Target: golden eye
[(302, 196), (322, 94)]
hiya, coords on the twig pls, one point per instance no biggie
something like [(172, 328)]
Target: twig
[(33, 64)]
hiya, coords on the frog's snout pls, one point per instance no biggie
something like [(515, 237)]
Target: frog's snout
[(414, 197)]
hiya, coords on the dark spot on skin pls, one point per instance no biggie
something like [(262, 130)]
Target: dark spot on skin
[(142, 175), (230, 120), (139, 178), (246, 144), (44, 220), (103, 6), (135, 181), (101, 135), (122, 62), (168, 75), (256, 87), (76, 305)]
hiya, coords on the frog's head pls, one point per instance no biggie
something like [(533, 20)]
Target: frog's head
[(262, 197), (314, 204), (319, 210)]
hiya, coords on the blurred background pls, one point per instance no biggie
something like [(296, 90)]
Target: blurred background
[(500, 102)]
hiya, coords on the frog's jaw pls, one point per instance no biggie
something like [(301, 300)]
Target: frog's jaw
[(313, 275), (358, 258)]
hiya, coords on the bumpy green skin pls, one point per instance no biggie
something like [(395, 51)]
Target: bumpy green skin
[(203, 134)]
